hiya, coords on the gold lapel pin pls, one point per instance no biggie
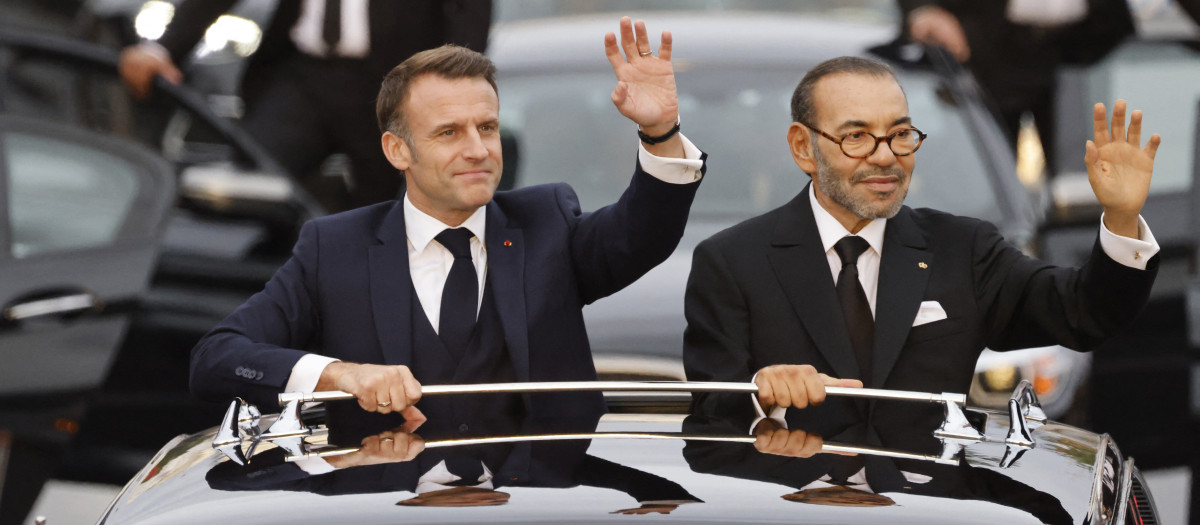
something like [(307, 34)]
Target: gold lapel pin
[(922, 265)]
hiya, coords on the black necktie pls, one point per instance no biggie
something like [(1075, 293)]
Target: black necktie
[(460, 295), (331, 31), (855, 308)]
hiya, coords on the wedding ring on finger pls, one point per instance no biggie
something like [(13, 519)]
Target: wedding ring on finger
[(386, 440), (385, 405), (645, 53)]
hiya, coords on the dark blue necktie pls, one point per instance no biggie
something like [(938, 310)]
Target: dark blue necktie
[(859, 321), (460, 295)]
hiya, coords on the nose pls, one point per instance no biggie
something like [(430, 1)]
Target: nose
[(883, 155), (474, 148)]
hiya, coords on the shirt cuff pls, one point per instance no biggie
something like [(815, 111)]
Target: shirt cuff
[(777, 413), (1133, 253), (671, 169), (307, 372), (314, 466)]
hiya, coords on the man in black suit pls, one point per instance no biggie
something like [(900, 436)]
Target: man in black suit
[(450, 284), (923, 292), (310, 88), (1015, 47)]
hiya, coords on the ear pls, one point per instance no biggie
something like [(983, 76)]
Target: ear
[(800, 142), (396, 150)]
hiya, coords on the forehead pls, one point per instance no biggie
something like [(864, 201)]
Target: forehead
[(850, 97), (434, 100)]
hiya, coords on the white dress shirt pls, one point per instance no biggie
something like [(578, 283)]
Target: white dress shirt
[(355, 39), (1133, 253), (429, 262)]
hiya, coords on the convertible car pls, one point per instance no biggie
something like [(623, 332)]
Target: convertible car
[(648, 455)]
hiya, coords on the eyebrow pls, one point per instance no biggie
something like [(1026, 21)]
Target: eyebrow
[(863, 123)]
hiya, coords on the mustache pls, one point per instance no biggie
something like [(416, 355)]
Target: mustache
[(877, 171)]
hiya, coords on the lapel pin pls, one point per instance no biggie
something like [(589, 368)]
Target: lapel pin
[(922, 265), (508, 243)]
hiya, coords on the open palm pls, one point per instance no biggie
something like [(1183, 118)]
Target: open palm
[(1119, 169), (645, 91)]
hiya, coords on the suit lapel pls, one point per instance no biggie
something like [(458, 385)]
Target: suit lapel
[(391, 289), (800, 265), (506, 276), (902, 281)]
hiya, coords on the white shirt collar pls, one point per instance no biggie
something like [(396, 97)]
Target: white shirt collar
[(832, 231), (421, 228)]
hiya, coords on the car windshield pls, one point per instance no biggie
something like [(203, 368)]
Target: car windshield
[(568, 130)]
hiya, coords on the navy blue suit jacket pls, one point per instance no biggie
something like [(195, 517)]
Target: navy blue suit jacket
[(346, 291)]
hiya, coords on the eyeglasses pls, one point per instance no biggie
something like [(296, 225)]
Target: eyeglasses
[(860, 144)]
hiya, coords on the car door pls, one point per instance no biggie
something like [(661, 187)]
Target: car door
[(80, 215)]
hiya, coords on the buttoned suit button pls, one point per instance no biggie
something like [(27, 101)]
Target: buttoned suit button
[(259, 376)]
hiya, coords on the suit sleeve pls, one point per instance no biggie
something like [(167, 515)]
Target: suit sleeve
[(716, 342), (615, 245), (251, 353), (188, 25), (1033, 303)]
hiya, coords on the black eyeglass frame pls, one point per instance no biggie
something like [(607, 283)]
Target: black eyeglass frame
[(921, 140)]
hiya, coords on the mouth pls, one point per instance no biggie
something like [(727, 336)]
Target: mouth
[(881, 184), (474, 174)]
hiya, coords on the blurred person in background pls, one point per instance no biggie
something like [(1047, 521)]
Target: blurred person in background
[(309, 91), (1014, 47)]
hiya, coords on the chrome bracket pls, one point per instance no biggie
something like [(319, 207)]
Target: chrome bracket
[(1024, 415), (956, 425)]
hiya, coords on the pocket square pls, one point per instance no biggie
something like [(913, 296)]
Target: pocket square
[(929, 312)]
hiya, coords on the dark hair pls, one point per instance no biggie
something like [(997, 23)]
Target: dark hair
[(449, 61), (804, 110)]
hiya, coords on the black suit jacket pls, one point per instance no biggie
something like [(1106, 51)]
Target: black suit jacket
[(346, 292), (760, 293), (397, 30)]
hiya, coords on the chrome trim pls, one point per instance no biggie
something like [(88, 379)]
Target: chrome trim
[(1123, 487), (1095, 513), (1027, 399), (1019, 434), (52, 306), (955, 424), (627, 386), (828, 447)]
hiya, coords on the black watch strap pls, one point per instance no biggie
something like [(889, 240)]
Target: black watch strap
[(661, 138)]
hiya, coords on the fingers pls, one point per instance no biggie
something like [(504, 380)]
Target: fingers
[(1152, 146), (643, 40), (380, 388), (1118, 122), (628, 44), (795, 386), (413, 419), (664, 47), (1099, 125), (612, 51), (766, 394), (845, 383), (1091, 154), (620, 92), (1135, 127)]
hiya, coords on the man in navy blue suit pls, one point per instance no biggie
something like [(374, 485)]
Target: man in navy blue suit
[(370, 302)]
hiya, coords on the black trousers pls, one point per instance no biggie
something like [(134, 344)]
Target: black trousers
[(308, 109)]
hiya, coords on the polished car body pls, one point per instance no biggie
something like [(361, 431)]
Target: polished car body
[(686, 468)]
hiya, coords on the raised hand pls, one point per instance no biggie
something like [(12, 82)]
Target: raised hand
[(1119, 168), (645, 91)]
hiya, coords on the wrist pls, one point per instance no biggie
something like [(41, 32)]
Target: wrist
[(658, 133)]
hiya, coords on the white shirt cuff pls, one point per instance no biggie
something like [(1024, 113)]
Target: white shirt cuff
[(671, 169), (307, 372), (1133, 253), (314, 466), (777, 413)]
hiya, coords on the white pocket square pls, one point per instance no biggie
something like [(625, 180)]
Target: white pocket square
[(929, 312)]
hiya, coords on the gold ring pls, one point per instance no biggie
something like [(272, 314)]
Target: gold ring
[(646, 54), (383, 405), (386, 440)]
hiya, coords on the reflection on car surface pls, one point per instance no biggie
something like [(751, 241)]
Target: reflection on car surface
[(340, 464)]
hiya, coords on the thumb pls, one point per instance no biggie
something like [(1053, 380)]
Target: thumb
[(413, 418), (620, 93), (846, 383), (172, 74), (1090, 153)]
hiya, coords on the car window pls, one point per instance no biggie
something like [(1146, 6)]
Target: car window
[(1162, 80), (63, 195), (568, 130)]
